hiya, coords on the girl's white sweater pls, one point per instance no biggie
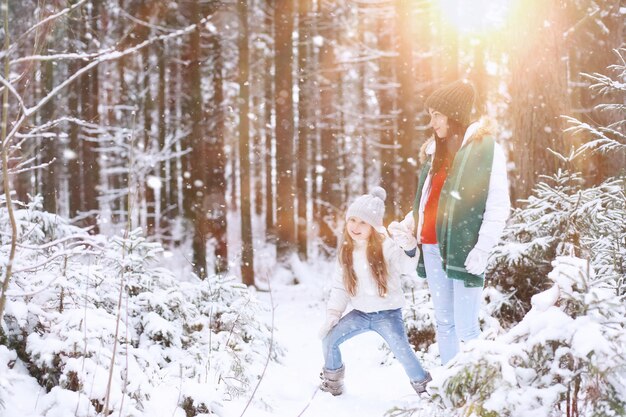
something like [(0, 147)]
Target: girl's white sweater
[(367, 298)]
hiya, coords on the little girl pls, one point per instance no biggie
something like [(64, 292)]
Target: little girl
[(368, 275)]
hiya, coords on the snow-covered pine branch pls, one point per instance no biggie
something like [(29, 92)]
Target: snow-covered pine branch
[(603, 140), (564, 355), (203, 339)]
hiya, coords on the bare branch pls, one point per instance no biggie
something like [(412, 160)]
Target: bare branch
[(104, 57), (47, 261), (85, 240), (59, 57), (47, 20), (12, 90)]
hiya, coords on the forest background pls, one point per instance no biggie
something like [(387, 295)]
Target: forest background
[(164, 161), (281, 111)]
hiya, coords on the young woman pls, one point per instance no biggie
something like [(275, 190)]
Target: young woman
[(460, 210), (368, 276)]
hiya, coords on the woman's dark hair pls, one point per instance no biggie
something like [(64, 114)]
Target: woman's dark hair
[(446, 148)]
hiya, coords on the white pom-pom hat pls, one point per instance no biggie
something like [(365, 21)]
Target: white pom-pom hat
[(370, 208)]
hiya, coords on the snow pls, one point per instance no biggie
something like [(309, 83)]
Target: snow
[(172, 361), (154, 182), (374, 383), (290, 386), (546, 299), (69, 154)]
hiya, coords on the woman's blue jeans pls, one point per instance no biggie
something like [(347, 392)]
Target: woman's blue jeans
[(456, 306), (388, 324)]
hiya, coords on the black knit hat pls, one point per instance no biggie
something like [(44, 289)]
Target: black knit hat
[(454, 100)]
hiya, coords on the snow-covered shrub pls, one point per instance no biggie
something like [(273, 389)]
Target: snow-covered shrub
[(561, 217), (565, 215), (7, 358), (97, 322), (418, 312), (562, 360)]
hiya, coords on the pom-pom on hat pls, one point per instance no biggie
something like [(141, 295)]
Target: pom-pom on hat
[(454, 100), (370, 207)]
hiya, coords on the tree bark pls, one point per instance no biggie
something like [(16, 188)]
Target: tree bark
[(406, 138), (268, 132), (216, 181), (386, 98), (538, 94), (148, 110), (285, 178), (49, 152), (247, 249), (198, 155), (304, 131), (90, 94), (161, 211), (74, 154), (329, 207)]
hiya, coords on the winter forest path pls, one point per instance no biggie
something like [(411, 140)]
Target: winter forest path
[(371, 389)]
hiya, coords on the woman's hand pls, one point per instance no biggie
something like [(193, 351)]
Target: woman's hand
[(476, 262)]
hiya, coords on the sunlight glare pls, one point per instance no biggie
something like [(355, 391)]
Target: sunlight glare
[(476, 17)]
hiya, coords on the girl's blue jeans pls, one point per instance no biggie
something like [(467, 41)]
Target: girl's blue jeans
[(388, 324), (456, 307)]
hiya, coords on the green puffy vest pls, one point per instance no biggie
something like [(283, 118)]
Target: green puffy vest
[(461, 207)]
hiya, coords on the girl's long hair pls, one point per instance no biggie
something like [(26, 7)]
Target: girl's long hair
[(375, 258), (446, 148)]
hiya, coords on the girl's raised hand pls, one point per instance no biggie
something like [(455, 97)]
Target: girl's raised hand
[(402, 235)]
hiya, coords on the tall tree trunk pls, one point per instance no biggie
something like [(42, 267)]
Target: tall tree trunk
[(387, 107), (407, 142), (538, 93), (148, 109), (423, 75), (247, 249), (304, 131), (258, 146), (176, 103), (89, 108), (285, 184), (161, 212), (257, 32), (120, 181), (233, 163), (268, 132), (49, 153), (364, 130), (74, 154), (329, 206), (216, 181), (198, 156)]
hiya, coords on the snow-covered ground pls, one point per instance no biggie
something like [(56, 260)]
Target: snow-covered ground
[(374, 383), (289, 389)]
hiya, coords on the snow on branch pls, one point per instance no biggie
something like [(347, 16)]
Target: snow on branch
[(102, 56), (49, 19), (602, 137)]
